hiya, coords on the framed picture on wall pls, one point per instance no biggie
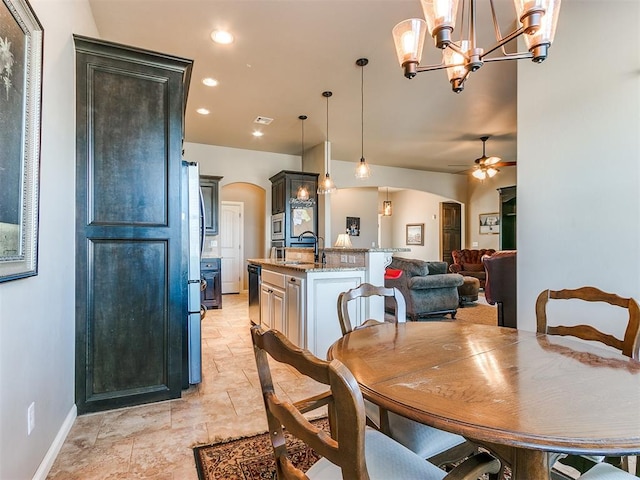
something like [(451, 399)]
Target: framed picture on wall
[(353, 226), (415, 234), (21, 41), (489, 223)]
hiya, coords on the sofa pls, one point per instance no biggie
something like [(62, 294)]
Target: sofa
[(427, 287), (468, 263)]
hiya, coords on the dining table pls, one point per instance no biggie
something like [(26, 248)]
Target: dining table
[(520, 394)]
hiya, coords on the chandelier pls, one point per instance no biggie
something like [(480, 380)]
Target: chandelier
[(536, 20)]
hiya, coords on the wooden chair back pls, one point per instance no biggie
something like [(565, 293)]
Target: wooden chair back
[(629, 345), (367, 290), (345, 445)]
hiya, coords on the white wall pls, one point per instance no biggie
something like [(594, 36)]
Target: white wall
[(37, 325), (485, 198), (410, 206), (355, 202), (579, 158)]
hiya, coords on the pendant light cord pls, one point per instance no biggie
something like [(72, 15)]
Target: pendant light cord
[(362, 111)]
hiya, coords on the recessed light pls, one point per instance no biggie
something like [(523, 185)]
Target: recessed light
[(210, 82), (222, 37), (257, 133), (203, 111)]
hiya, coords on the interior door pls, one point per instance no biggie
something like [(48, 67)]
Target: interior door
[(232, 246), (451, 228)]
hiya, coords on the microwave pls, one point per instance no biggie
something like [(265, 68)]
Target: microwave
[(277, 226)]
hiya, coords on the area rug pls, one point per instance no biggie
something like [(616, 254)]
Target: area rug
[(478, 313), (251, 458)]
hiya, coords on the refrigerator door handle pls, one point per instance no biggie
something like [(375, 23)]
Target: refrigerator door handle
[(202, 227)]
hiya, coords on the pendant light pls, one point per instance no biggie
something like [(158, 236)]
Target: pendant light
[(362, 170), (303, 192), (327, 186), (386, 206)]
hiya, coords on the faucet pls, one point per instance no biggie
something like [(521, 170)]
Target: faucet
[(309, 233)]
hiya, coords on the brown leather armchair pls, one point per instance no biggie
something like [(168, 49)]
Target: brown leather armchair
[(500, 287), (468, 263)]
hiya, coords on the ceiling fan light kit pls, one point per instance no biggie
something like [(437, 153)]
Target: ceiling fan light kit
[(487, 166), (535, 19)]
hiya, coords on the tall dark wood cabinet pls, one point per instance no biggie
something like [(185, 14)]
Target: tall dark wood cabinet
[(298, 215), (508, 211), (130, 262)]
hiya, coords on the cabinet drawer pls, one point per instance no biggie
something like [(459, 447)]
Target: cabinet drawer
[(274, 278)]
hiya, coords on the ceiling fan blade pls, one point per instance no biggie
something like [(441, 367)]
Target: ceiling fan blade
[(504, 164)]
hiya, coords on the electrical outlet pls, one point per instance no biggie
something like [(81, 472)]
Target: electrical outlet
[(343, 259), (352, 259), (31, 418), (474, 244)]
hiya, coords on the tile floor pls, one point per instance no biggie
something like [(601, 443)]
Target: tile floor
[(154, 441)]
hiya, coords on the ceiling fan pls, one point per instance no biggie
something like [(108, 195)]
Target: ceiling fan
[(488, 166)]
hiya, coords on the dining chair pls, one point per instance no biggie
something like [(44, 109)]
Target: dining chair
[(350, 450), (437, 446), (629, 345)]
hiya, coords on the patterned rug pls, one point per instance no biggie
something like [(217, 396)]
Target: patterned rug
[(251, 458)]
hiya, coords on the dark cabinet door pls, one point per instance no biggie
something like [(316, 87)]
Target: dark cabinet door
[(211, 296), (210, 195), (278, 194), (130, 261)]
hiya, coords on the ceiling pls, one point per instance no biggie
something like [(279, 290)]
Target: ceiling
[(287, 52)]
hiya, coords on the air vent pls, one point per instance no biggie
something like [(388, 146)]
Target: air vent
[(263, 120)]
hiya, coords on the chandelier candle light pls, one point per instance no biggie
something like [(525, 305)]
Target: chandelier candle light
[(327, 186), (362, 170), (536, 19)]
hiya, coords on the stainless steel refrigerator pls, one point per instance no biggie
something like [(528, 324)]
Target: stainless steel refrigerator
[(193, 220)]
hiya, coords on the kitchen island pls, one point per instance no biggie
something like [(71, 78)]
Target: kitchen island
[(299, 297)]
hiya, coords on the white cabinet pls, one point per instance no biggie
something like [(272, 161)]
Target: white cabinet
[(272, 300), (295, 317), (304, 305)]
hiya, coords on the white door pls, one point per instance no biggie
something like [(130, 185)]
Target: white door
[(232, 246)]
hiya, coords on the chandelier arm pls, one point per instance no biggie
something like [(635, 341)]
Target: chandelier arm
[(431, 68), (509, 56), (503, 41)]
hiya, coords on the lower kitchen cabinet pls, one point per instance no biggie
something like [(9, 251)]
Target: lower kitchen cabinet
[(211, 296), (272, 301)]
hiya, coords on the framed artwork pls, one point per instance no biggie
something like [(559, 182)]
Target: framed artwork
[(489, 223), (415, 233), (21, 42), (353, 226)]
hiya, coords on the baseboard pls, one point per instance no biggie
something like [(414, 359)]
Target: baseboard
[(54, 449)]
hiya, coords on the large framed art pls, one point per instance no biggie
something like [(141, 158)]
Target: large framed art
[(21, 43)]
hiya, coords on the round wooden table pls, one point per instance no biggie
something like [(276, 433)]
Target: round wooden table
[(520, 394)]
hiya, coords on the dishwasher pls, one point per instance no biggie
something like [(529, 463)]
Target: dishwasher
[(254, 293)]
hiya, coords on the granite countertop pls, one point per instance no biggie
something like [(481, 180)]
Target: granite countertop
[(301, 266)]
